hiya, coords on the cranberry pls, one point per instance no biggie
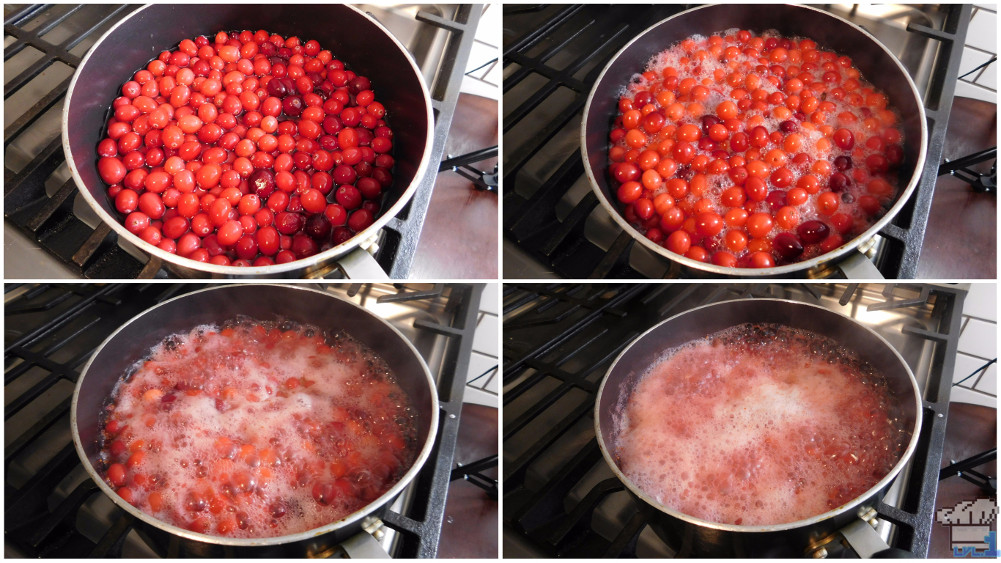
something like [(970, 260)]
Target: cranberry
[(262, 181), (839, 182), (303, 245), (277, 88), (844, 139), (776, 199), (288, 223), (788, 126), (318, 227), (292, 106), (812, 232), (788, 246), (707, 122), (842, 163)]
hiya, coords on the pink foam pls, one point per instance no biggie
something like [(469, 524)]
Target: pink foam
[(740, 429)]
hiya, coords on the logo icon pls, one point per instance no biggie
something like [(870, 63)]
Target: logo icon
[(970, 526)]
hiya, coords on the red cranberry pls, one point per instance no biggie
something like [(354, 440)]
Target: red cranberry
[(288, 223), (303, 245), (843, 163)]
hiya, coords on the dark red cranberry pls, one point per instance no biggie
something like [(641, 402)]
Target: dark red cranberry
[(331, 124), (318, 227), (894, 154), (341, 235), (276, 88), (812, 232), (842, 163), (839, 182), (787, 245), (303, 245), (292, 106), (788, 126), (360, 83), (707, 122), (262, 181), (776, 199)]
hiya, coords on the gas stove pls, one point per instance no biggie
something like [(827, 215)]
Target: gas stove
[(553, 224), (51, 232), (53, 509), (560, 497)]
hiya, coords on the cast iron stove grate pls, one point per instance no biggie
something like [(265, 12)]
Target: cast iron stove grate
[(552, 57), (41, 200), (560, 497), (51, 331)]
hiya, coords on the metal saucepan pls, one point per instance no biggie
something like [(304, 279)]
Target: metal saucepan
[(133, 340), (701, 537), (877, 64), (353, 36)]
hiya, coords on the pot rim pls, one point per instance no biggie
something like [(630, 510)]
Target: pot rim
[(364, 238), (796, 267), (352, 518), (869, 493)]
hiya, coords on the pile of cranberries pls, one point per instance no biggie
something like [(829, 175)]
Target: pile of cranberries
[(753, 151), (246, 149)]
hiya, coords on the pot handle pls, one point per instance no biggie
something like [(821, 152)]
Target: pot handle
[(861, 536), (858, 267), (363, 546), (360, 264)]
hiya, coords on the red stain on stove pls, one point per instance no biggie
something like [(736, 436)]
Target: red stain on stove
[(254, 431), (758, 424)]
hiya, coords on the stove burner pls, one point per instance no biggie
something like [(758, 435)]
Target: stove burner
[(561, 498)]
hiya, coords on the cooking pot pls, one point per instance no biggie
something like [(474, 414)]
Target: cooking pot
[(350, 34), (877, 64), (701, 537), (133, 340)]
